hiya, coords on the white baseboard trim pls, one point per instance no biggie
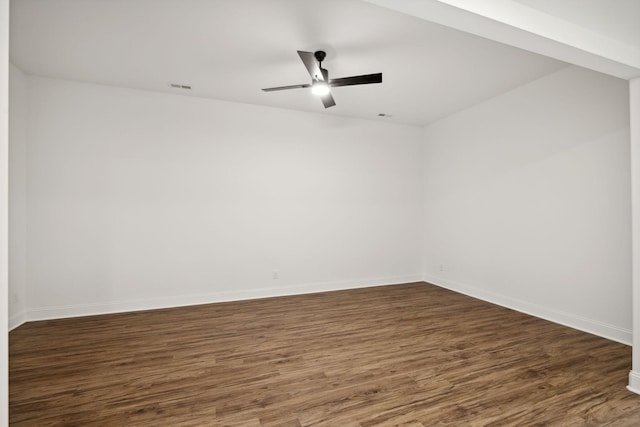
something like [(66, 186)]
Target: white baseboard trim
[(78, 310), (594, 327), (17, 320), (634, 382)]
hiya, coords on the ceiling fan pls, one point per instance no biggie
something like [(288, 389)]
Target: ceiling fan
[(320, 83)]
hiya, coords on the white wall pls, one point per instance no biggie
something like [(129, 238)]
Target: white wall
[(634, 128), (527, 201), (17, 196), (4, 209), (139, 199)]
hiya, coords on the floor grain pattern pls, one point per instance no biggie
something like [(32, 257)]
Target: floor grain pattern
[(411, 355)]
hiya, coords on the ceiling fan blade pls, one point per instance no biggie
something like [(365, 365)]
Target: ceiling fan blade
[(310, 62), (271, 89), (356, 80), (327, 100)]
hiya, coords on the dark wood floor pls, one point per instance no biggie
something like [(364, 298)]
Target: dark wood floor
[(405, 355)]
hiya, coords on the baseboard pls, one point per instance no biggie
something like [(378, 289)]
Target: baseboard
[(634, 382), (59, 312), (17, 320), (594, 327)]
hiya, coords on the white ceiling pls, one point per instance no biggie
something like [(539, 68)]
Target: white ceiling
[(618, 19), (230, 49), (587, 33)]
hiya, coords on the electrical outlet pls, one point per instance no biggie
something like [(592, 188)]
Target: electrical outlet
[(441, 267), (276, 275)]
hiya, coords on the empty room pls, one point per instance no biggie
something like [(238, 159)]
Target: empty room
[(349, 213)]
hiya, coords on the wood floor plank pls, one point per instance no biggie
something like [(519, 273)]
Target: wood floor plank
[(406, 355)]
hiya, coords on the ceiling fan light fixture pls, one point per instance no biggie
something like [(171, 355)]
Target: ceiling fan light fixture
[(320, 88)]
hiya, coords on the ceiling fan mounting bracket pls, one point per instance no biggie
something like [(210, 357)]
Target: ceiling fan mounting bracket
[(320, 55)]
